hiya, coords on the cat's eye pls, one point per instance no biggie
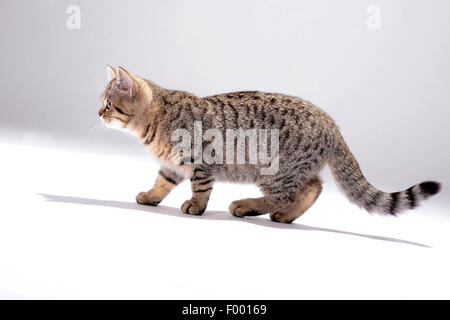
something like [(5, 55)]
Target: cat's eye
[(108, 105)]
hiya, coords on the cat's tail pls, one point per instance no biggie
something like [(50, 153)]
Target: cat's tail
[(352, 182)]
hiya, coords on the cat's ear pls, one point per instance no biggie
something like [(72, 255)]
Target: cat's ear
[(111, 73), (126, 81)]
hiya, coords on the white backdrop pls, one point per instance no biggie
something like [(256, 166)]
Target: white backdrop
[(69, 226)]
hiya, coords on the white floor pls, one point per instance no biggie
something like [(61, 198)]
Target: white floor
[(69, 228)]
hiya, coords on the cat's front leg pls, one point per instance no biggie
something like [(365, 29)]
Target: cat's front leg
[(202, 185), (165, 182)]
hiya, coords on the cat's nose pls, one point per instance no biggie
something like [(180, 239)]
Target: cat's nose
[(101, 111)]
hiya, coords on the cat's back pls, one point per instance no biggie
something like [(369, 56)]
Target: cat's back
[(255, 109), (257, 98)]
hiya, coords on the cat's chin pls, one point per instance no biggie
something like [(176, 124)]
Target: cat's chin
[(117, 125), (114, 124)]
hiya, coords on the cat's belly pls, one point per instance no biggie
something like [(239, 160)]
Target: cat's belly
[(237, 173)]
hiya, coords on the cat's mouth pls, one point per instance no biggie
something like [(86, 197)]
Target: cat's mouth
[(112, 122), (105, 119)]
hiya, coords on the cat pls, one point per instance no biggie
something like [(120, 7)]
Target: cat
[(307, 140)]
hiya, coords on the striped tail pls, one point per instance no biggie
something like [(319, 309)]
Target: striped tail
[(351, 181)]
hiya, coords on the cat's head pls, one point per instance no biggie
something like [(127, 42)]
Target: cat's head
[(125, 99)]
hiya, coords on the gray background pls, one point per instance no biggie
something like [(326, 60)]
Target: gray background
[(388, 89)]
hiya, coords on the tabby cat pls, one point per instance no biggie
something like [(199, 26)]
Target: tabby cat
[(307, 138)]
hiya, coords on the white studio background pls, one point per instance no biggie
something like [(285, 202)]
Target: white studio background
[(379, 68)]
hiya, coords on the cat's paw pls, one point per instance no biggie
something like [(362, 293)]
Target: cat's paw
[(192, 207), (280, 217), (147, 199), (242, 208)]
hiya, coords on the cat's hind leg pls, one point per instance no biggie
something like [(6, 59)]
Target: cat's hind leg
[(277, 196), (305, 199), (165, 182), (252, 206), (280, 211)]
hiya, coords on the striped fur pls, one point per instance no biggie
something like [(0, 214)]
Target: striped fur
[(352, 182)]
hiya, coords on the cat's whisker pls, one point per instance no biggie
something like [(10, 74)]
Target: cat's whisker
[(93, 127), (91, 131), (95, 134), (102, 133)]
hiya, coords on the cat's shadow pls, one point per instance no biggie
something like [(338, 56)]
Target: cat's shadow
[(214, 215)]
